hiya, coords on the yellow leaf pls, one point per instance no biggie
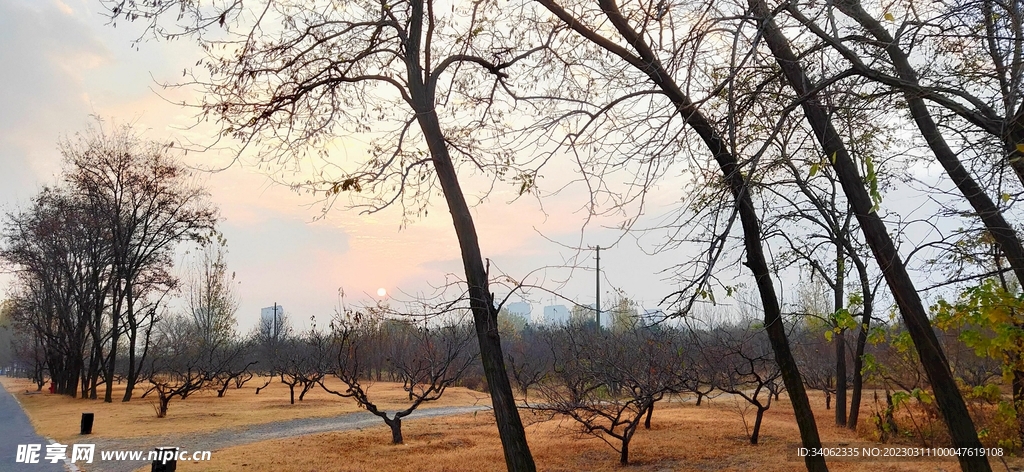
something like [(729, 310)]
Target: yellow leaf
[(1005, 197), (889, 17), (1020, 148)]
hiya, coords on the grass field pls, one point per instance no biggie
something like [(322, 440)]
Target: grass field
[(58, 417), (683, 437)]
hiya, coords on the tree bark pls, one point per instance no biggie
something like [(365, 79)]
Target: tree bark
[(947, 394)]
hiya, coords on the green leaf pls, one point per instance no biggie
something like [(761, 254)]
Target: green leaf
[(1020, 148), (1005, 197), (814, 169), (888, 17)]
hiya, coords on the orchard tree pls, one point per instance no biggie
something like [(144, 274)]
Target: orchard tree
[(609, 382), (747, 369), (176, 365), (426, 360)]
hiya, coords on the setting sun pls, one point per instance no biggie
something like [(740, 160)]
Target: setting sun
[(381, 292)]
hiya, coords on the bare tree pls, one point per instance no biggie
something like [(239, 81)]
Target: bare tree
[(746, 368), (608, 382), (644, 42), (949, 399), (147, 202), (528, 358), (59, 252), (308, 72), (426, 360), (176, 365)]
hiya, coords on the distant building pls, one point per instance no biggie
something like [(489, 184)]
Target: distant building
[(556, 315), (520, 309), (271, 322)]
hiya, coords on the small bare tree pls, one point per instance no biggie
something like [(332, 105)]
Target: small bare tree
[(608, 382), (528, 358), (746, 368), (176, 363), (427, 360)]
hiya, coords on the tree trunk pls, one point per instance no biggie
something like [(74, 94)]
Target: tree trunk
[(133, 332), (115, 337), (947, 394), (396, 430), (647, 421), (164, 401), (485, 316), (756, 433), (862, 341), (840, 339)]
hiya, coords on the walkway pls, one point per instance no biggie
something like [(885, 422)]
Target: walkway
[(17, 429)]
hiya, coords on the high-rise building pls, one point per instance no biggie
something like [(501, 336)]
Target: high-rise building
[(556, 315), (272, 320)]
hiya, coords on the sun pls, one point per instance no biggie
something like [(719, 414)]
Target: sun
[(381, 292)]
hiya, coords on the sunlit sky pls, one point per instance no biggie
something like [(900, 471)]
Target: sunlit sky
[(62, 64)]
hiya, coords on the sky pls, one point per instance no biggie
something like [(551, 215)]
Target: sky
[(63, 66)]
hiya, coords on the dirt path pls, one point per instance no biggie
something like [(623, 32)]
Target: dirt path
[(215, 440)]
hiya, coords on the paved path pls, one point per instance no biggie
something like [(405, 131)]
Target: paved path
[(215, 440), (16, 429)]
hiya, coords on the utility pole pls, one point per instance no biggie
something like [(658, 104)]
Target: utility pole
[(275, 321), (597, 303)]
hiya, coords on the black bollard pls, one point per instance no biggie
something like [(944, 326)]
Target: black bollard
[(165, 461), (87, 423)]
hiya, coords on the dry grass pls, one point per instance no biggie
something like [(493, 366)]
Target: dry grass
[(58, 416), (683, 437)]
